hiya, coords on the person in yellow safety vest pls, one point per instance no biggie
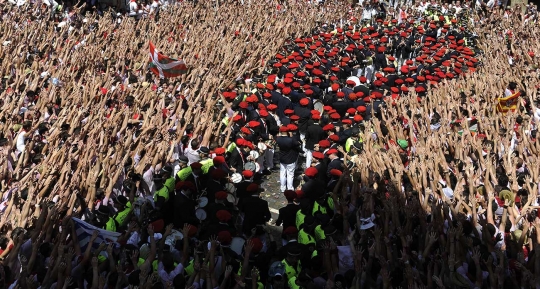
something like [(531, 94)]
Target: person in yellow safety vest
[(162, 194), (124, 208), (305, 207), (184, 170), (292, 262), (302, 281), (306, 236), (324, 204), (103, 220), (205, 161)]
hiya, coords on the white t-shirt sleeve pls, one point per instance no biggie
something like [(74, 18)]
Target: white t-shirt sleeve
[(20, 141)]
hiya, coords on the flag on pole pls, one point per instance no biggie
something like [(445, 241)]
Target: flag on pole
[(84, 232), (164, 66)]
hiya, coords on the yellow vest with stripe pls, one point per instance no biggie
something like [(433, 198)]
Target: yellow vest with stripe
[(120, 217), (348, 144), (206, 164), (319, 234), (231, 147), (184, 173), (305, 238), (163, 192), (290, 271), (292, 283), (110, 225), (319, 208), (299, 219)]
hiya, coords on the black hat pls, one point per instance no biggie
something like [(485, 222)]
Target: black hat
[(294, 250), (103, 210), (204, 150), (121, 200), (183, 159), (167, 169)]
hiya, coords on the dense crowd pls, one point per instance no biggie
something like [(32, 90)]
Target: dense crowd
[(404, 135)]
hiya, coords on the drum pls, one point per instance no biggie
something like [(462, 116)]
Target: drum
[(200, 214), (237, 244), (230, 188), (231, 199), (319, 106), (173, 237), (250, 166), (236, 178), (355, 79), (254, 154), (203, 201)]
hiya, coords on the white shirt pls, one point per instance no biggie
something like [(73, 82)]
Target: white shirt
[(169, 277), (20, 141)]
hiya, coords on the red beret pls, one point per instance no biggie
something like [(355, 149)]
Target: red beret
[(332, 151), (245, 130), (253, 123), (252, 188), (185, 185), (335, 116), (237, 117), (351, 111), (243, 104), (283, 129), (219, 151), (263, 113), (221, 195), (358, 118), (286, 90), (218, 160), (290, 195), (217, 174), (318, 155), (271, 107), (316, 116), (347, 121), (288, 111), (247, 174), (352, 96), (311, 172), (334, 137), (224, 237), (196, 166), (223, 216), (328, 127), (324, 143), (335, 172), (257, 245), (290, 230), (292, 127), (294, 117), (304, 101)]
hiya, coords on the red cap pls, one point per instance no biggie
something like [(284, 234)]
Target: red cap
[(318, 155), (290, 230), (311, 172), (247, 174), (283, 129), (221, 195), (224, 237), (252, 188), (335, 172), (289, 195), (196, 166), (332, 151), (324, 143), (257, 245), (334, 137), (218, 160), (253, 123), (304, 101), (245, 130), (223, 216)]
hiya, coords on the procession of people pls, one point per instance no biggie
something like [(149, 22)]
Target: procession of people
[(139, 144)]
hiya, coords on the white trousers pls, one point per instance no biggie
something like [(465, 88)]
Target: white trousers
[(286, 176)]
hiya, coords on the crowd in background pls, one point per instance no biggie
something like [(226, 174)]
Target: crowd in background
[(404, 135)]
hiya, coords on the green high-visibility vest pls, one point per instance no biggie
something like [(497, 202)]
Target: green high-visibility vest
[(290, 271), (206, 164), (120, 217), (110, 225), (305, 238), (299, 219), (319, 234), (184, 173)]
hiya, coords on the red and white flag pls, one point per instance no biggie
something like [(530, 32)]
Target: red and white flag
[(164, 66)]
